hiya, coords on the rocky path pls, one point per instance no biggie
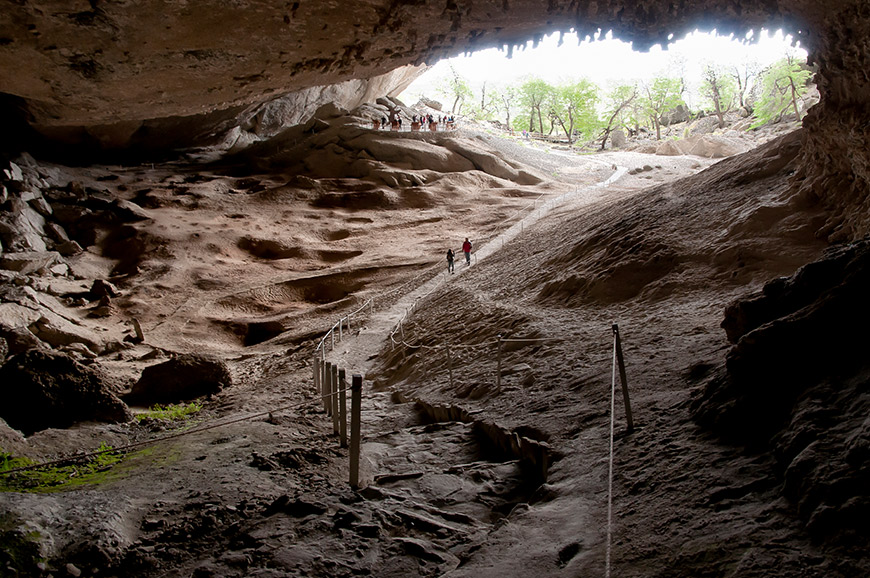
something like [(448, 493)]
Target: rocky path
[(356, 351)]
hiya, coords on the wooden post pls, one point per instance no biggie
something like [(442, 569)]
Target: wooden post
[(140, 337), (325, 386), (334, 399), (317, 375), (450, 366), (621, 361), (355, 410), (342, 407), (498, 379)]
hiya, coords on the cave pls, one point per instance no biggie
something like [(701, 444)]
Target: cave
[(222, 151)]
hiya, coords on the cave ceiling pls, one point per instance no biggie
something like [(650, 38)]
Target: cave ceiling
[(91, 62)]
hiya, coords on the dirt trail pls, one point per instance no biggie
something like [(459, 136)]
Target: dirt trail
[(355, 352)]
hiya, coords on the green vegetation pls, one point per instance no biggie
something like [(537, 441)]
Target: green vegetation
[(660, 96), (782, 86), (457, 88), (581, 112), (170, 412), (720, 91), (94, 469)]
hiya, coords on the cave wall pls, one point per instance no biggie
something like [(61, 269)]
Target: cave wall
[(836, 151)]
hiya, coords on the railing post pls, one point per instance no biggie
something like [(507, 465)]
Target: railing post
[(334, 399), (325, 386), (340, 330), (355, 410), (342, 407), (316, 375), (332, 331), (498, 379), (621, 362)]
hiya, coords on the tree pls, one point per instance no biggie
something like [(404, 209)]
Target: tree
[(719, 91), (746, 76), (503, 101), (782, 86), (457, 88), (533, 94), (617, 103), (573, 107), (660, 96)]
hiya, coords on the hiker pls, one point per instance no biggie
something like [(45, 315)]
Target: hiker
[(466, 248), (450, 257)]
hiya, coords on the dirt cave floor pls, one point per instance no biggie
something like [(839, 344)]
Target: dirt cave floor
[(248, 267)]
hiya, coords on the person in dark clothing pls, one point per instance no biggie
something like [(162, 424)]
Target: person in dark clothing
[(450, 257), (466, 248)]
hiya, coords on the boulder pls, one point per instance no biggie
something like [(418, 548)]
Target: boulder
[(102, 288), (429, 103), (11, 440), (21, 228), (20, 339), (183, 378), (43, 389), (26, 262), (410, 153), (129, 211), (617, 139), (679, 113)]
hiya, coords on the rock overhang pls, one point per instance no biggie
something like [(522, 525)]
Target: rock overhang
[(84, 64)]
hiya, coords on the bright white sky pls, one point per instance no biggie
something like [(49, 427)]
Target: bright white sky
[(605, 61)]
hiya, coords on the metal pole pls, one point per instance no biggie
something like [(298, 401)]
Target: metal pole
[(340, 331), (621, 361), (334, 399), (342, 407), (332, 332), (355, 410)]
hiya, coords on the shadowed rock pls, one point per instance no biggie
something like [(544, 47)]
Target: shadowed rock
[(183, 378), (42, 389)]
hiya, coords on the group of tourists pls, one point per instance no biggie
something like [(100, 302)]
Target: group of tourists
[(466, 248), (416, 120)]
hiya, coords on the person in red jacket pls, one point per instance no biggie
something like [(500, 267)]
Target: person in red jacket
[(466, 248)]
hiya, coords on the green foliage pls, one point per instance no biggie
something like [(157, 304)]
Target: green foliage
[(618, 110), (660, 96), (574, 107), (719, 90), (54, 478), (457, 88), (170, 412), (782, 86), (533, 93)]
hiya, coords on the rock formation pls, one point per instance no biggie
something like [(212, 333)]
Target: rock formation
[(43, 389)]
